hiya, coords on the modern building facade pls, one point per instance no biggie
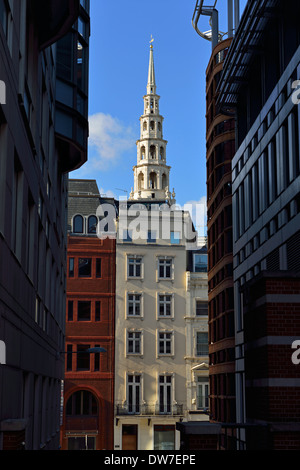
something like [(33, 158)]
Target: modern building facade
[(220, 146), (266, 220), (90, 312), (151, 254), (33, 194)]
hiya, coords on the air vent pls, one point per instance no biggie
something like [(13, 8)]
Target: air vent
[(293, 252), (273, 261)]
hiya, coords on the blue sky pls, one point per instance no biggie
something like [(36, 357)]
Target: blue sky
[(119, 57)]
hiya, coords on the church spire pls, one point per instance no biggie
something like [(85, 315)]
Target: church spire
[(151, 174), (151, 86)]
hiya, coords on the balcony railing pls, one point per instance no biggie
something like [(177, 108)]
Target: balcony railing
[(150, 409)]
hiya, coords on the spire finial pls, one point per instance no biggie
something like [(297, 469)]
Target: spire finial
[(151, 42)]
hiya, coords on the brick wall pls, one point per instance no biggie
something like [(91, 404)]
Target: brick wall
[(13, 440)]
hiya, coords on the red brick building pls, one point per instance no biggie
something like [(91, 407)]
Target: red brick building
[(89, 385)]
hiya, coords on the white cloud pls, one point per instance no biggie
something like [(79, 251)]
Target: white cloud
[(107, 193), (108, 139)]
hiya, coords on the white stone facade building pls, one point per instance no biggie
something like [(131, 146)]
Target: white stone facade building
[(150, 366)]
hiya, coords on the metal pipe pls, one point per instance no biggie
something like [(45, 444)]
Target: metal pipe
[(230, 18), (215, 27), (236, 14)]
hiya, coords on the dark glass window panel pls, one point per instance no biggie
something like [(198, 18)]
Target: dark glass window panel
[(83, 357), (84, 310), (97, 311), (78, 224), (98, 267), (70, 310), (69, 357), (92, 224), (85, 267), (97, 360), (64, 57), (71, 267)]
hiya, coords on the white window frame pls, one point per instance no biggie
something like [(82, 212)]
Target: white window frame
[(165, 258), (141, 304), (197, 299), (136, 388), (135, 342), (172, 305), (196, 343), (202, 385), (165, 341), (135, 257), (166, 385)]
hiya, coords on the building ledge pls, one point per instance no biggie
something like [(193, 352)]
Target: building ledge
[(199, 428), (13, 425)]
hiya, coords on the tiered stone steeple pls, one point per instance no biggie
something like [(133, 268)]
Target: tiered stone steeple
[(151, 174)]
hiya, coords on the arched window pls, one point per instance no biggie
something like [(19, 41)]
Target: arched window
[(82, 403), (164, 181), (141, 181), (159, 126), (161, 153), (152, 125), (92, 224), (153, 180), (78, 224), (145, 125), (143, 153), (152, 151)]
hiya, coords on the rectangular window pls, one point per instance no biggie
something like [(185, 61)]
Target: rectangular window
[(134, 305), (165, 343), (202, 344), (85, 267), (134, 393), (84, 311), (83, 357), (134, 267), (164, 437), (201, 308), (200, 263), (165, 268), (97, 310), (165, 393), (134, 342), (202, 393), (165, 305), (71, 267), (69, 357), (97, 360), (70, 310), (98, 267)]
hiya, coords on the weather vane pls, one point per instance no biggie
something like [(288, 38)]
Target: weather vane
[(152, 40)]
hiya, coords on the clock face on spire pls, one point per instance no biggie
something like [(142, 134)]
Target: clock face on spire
[(151, 174)]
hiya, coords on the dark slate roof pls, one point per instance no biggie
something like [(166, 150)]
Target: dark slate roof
[(84, 198)]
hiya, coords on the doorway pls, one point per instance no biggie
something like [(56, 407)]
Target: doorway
[(129, 437)]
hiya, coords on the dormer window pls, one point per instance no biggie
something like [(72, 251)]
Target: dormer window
[(78, 224)]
